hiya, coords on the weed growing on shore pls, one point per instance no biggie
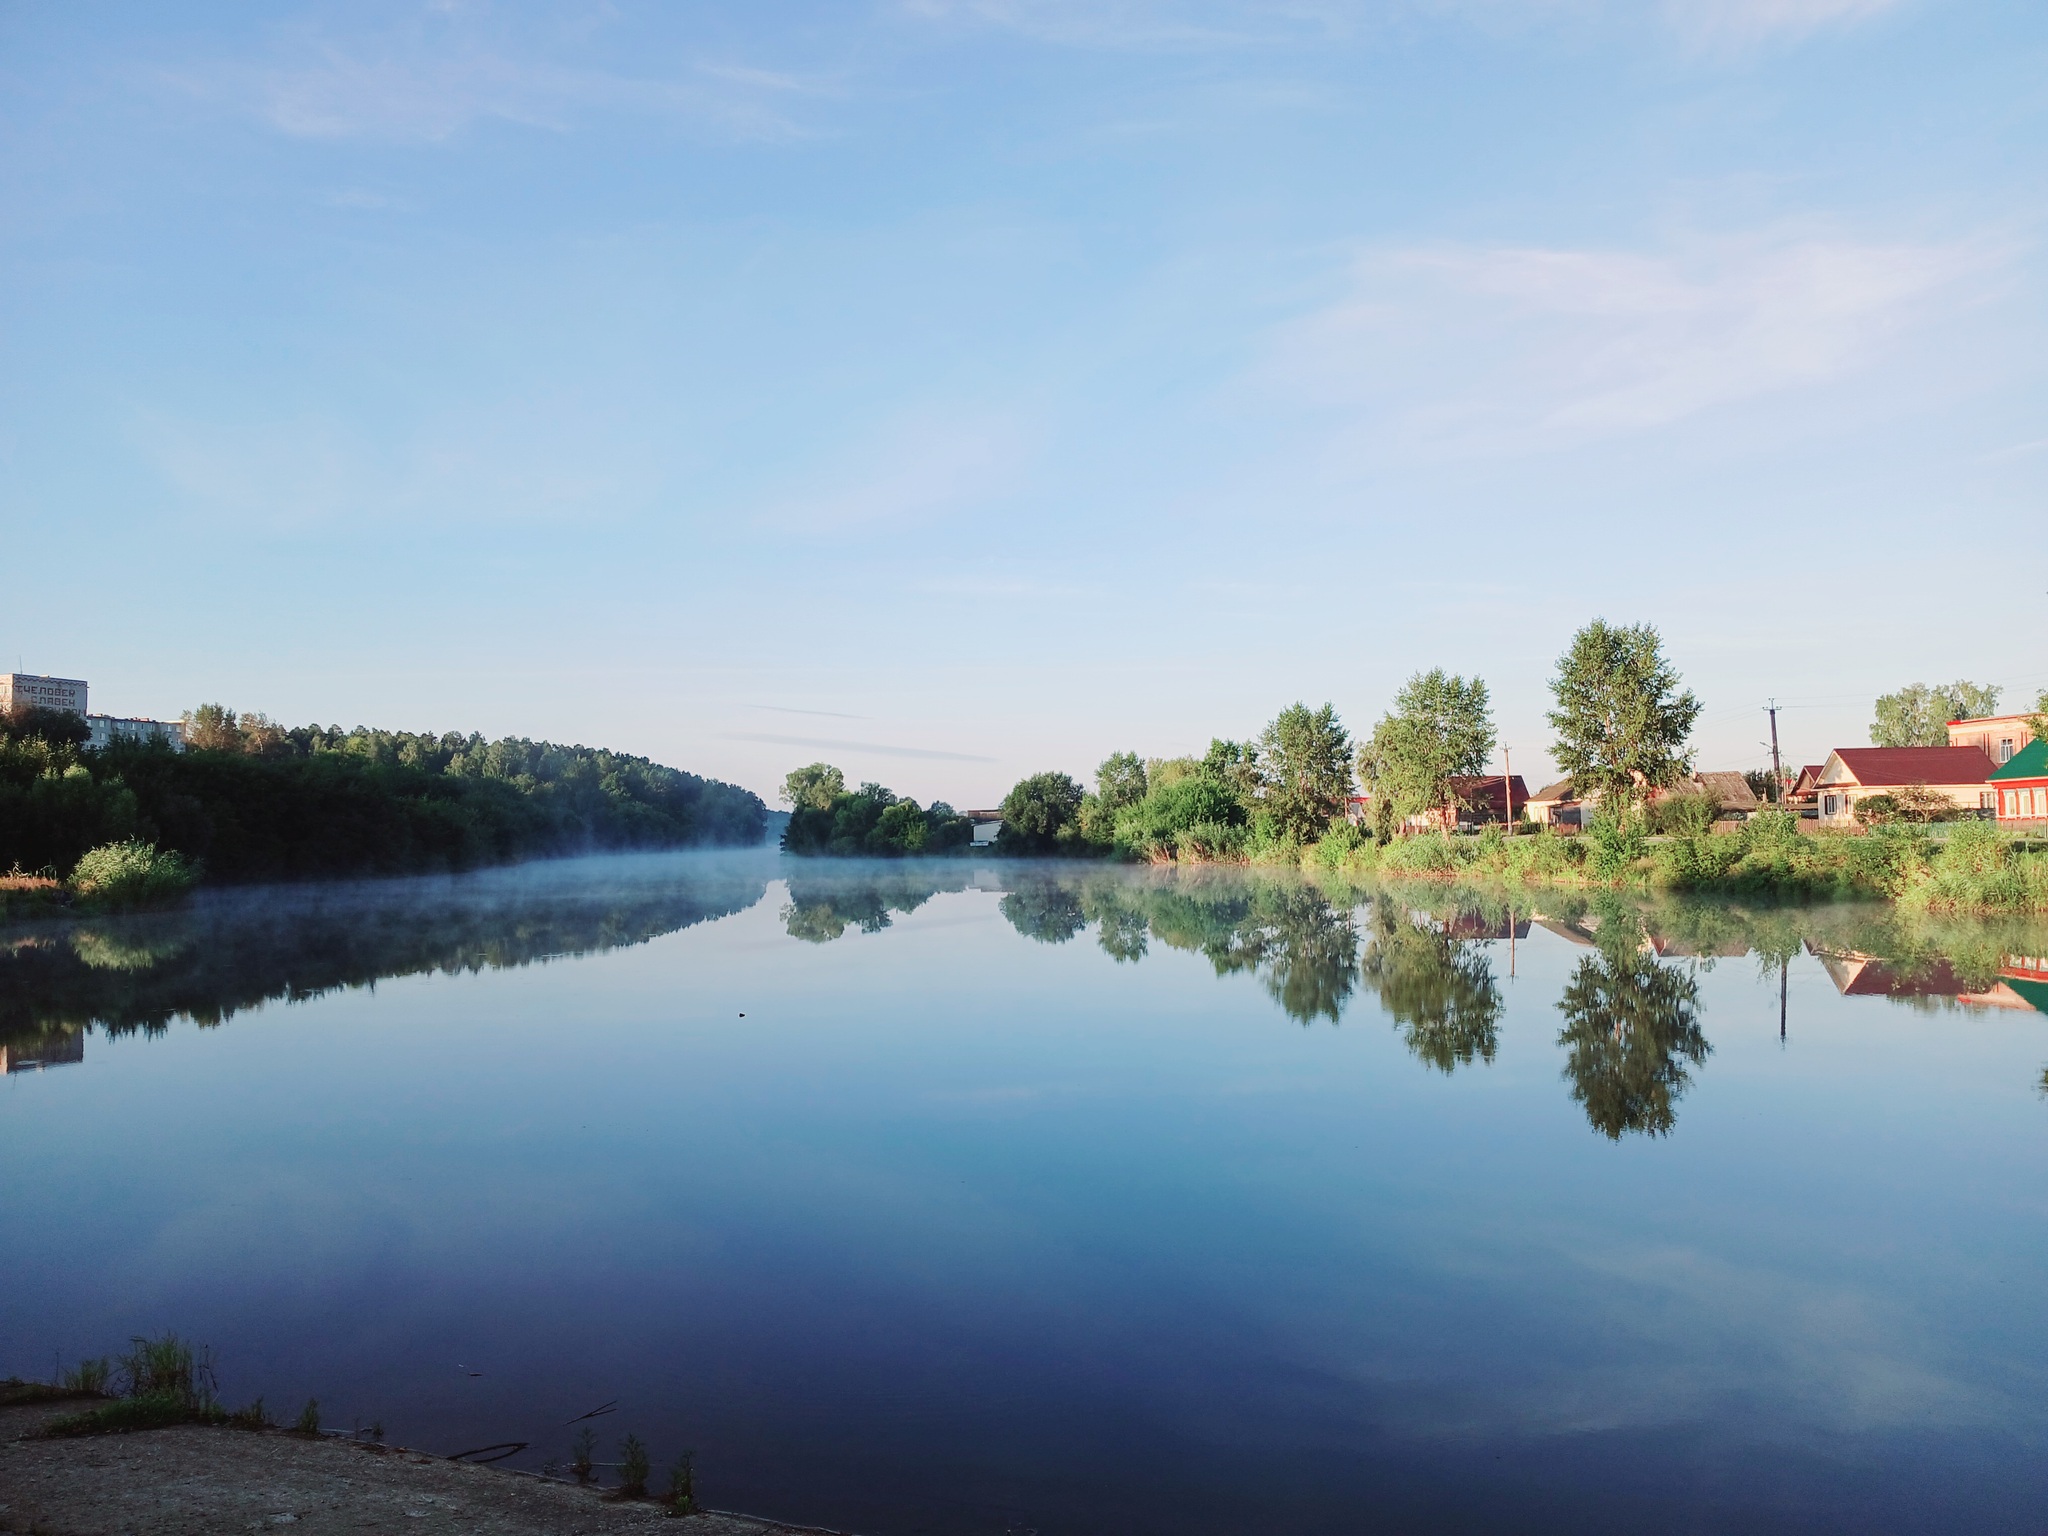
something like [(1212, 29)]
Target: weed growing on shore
[(580, 1450), (255, 1416), (633, 1468), (682, 1485), (88, 1376), (309, 1418)]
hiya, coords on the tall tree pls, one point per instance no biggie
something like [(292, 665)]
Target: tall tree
[(1441, 728), (1120, 781), (1621, 718), (813, 787), (1305, 761), (1037, 811), (1918, 716)]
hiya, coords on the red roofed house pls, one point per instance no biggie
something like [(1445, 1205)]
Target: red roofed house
[(1802, 793), (2022, 786), (1999, 736), (1856, 773), (1483, 798)]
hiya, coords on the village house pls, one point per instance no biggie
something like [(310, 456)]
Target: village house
[(1856, 773), (1803, 796), (1556, 805), (2022, 786), (1999, 737), (1482, 798)]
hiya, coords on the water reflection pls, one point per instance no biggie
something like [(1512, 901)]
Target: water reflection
[(1436, 983), (236, 950), (1431, 956), (1631, 1033)]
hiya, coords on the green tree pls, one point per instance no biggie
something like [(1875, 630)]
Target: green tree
[(1040, 814), (1621, 719), (1441, 728), (1305, 769), (814, 787), (1120, 781), (1918, 716)]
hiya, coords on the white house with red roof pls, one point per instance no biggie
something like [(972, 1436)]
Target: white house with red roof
[(1856, 773)]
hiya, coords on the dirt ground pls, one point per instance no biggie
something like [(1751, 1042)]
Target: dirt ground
[(195, 1481)]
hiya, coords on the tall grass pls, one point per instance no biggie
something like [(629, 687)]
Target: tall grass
[(1974, 868)]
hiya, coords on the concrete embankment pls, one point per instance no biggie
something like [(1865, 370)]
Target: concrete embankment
[(194, 1480)]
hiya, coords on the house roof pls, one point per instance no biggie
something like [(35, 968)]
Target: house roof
[(2030, 762), (1561, 790), (1729, 788), (1871, 767)]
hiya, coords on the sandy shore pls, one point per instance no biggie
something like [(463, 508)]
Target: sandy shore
[(197, 1481)]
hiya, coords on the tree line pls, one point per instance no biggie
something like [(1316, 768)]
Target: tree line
[(252, 800), (1622, 721)]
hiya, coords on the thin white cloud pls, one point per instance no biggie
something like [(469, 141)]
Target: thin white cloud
[(1740, 23), (879, 749), (430, 83), (1140, 24), (1495, 347), (921, 467)]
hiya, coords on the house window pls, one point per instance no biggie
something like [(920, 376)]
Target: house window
[(2005, 750), (1827, 805)]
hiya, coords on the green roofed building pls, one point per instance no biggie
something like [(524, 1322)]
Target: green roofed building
[(2021, 785)]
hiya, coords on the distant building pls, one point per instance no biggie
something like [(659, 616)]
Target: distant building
[(1999, 737), (1850, 774), (1555, 805), (1729, 788), (1803, 796), (55, 1050), (23, 690), (2022, 786), (109, 729), (1482, 797)]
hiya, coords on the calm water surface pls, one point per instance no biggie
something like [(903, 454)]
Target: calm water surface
[(991, 1198)]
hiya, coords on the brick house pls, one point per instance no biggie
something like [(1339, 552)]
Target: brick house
[(2021, 786), (2000, 737)]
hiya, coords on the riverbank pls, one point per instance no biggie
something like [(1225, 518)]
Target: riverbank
[(1968, 866), (198, 1480)]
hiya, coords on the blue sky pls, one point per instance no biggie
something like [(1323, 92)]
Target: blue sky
[(981, 386)]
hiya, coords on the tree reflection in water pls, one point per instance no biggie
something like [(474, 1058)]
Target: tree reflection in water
[(1632, 1033), (1439, 988)]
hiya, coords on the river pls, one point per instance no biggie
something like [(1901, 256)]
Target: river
[(988, 1197)]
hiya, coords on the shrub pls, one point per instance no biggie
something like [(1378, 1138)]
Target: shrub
[(1690, 814), (309, 1418), (1617, 838), (633, 1468), (121, 876), (682, 1486), (1877, 810)]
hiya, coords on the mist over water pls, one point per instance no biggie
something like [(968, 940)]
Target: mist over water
[(989, 1196)]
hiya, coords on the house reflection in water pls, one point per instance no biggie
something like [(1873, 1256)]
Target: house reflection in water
[(2021, 982), (53, 1050)]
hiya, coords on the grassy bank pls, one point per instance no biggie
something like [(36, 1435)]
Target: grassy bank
[(1967, 866)]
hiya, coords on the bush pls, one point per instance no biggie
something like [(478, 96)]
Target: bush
[(1877, 810), (1690, 814), (1617, 838), (122, 876)]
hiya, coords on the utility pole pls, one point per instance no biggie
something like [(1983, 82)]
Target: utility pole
[(1777, 767), (1507, 782)]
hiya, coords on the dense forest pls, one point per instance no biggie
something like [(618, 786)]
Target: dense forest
[(251, 800)]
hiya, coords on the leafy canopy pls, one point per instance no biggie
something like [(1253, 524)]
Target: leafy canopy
[(1621, 719), (1441, 728), (813, 787), (1304, 760), (1040, 814), (1918, 716)]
